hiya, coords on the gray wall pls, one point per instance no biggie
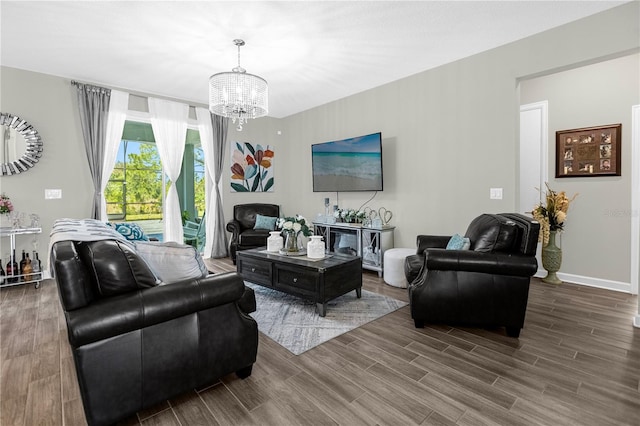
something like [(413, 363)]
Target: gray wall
[(48, 103), (598, 230), (450, 134)]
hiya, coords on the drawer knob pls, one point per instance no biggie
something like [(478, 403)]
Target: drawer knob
[(253, 269), (295, 280)]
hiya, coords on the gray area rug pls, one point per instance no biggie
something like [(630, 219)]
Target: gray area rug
[(294, 323)]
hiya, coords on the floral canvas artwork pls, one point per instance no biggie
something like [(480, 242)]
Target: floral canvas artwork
[(251, 167)]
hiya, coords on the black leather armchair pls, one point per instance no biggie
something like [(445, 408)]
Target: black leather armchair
[(487, 285), (136, 343), (243, 236)]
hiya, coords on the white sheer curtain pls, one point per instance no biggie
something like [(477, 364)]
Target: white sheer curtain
[(169, 124), (206, 136), (115, 124)]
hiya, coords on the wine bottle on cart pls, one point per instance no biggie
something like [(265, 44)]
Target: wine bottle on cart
[(9, 280), (15, 268), (36, 266), (27, 270), (23, 263), (12, 269)]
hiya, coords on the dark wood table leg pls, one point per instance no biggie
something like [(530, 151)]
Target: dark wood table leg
[(322, 309), (359, 292)]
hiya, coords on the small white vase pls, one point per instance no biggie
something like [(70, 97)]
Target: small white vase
[(315, 247), (5, 221), (275, 242)]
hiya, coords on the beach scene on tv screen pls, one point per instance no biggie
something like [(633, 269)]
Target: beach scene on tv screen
[(353, 164)]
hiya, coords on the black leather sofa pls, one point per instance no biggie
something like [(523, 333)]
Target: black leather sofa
[(487, 285), (243, 236), (136, 343)]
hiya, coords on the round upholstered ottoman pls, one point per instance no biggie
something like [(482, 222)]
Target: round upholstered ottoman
[(394, 266)]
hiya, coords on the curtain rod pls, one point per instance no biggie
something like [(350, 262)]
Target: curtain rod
[(91, 88), (146, 95)]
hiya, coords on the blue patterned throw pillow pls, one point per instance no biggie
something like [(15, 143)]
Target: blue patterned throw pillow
[(131, 231), (265, 222), (457, 242)]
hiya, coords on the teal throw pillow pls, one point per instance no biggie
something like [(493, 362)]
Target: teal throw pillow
[(457, 242), (130, 230), (265, 222)]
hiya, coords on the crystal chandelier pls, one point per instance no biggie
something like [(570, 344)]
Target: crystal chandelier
[(238, 94)]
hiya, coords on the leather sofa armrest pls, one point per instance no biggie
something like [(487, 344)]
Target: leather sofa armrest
[(234, 227), (138, 309), (482, 262), (247, 302), (413, 266), (431, 241)]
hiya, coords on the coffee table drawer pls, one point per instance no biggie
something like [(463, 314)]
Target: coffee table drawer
[(255, 271), (296, 279)]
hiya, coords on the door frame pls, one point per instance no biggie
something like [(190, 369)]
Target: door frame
[(543, 147)]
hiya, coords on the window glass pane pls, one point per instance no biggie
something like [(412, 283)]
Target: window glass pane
[(115, 199), (198, 179), (134, 191)]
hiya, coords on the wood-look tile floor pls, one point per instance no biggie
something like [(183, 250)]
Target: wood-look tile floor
[(577, 362)]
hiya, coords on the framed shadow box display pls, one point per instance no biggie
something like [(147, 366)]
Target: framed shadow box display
[(590, 151)]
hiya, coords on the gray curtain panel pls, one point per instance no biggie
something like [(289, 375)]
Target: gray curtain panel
[(93, 105), (220, 129)]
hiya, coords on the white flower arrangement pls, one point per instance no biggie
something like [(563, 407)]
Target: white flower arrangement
[(296, 224), (349, 215)]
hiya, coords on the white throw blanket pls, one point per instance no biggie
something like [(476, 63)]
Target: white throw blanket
[(82, 230)]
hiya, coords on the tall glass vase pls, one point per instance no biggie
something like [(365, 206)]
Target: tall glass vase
[(291, 242), (551, 260)]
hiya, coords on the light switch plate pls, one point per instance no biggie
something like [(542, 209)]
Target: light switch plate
[(52, 194), (495, 193)]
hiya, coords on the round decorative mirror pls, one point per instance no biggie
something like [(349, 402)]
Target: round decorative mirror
[(21, 145)]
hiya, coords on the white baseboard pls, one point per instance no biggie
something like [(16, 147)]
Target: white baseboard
[(590, 281)]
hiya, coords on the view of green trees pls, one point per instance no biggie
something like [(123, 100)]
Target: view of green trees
[(134, 191), (198, 176)]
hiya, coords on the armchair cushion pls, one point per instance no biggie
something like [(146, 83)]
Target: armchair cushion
[(265, 222), (114, 268), (253, 237), (171, 261)]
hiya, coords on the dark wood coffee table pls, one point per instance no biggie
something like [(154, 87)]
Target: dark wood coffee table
[(316, 280)]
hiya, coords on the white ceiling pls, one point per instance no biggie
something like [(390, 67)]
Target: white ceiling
[(310, 52)]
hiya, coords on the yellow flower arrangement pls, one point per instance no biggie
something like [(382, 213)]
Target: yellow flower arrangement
[(553, 213)]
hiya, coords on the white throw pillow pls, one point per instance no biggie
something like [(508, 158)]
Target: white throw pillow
[(172, 261)]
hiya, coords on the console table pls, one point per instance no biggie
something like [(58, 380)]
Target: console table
[(11, 233), (367, 242)]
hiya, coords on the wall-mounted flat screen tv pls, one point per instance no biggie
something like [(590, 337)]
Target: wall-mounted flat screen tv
[(353, 164)]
